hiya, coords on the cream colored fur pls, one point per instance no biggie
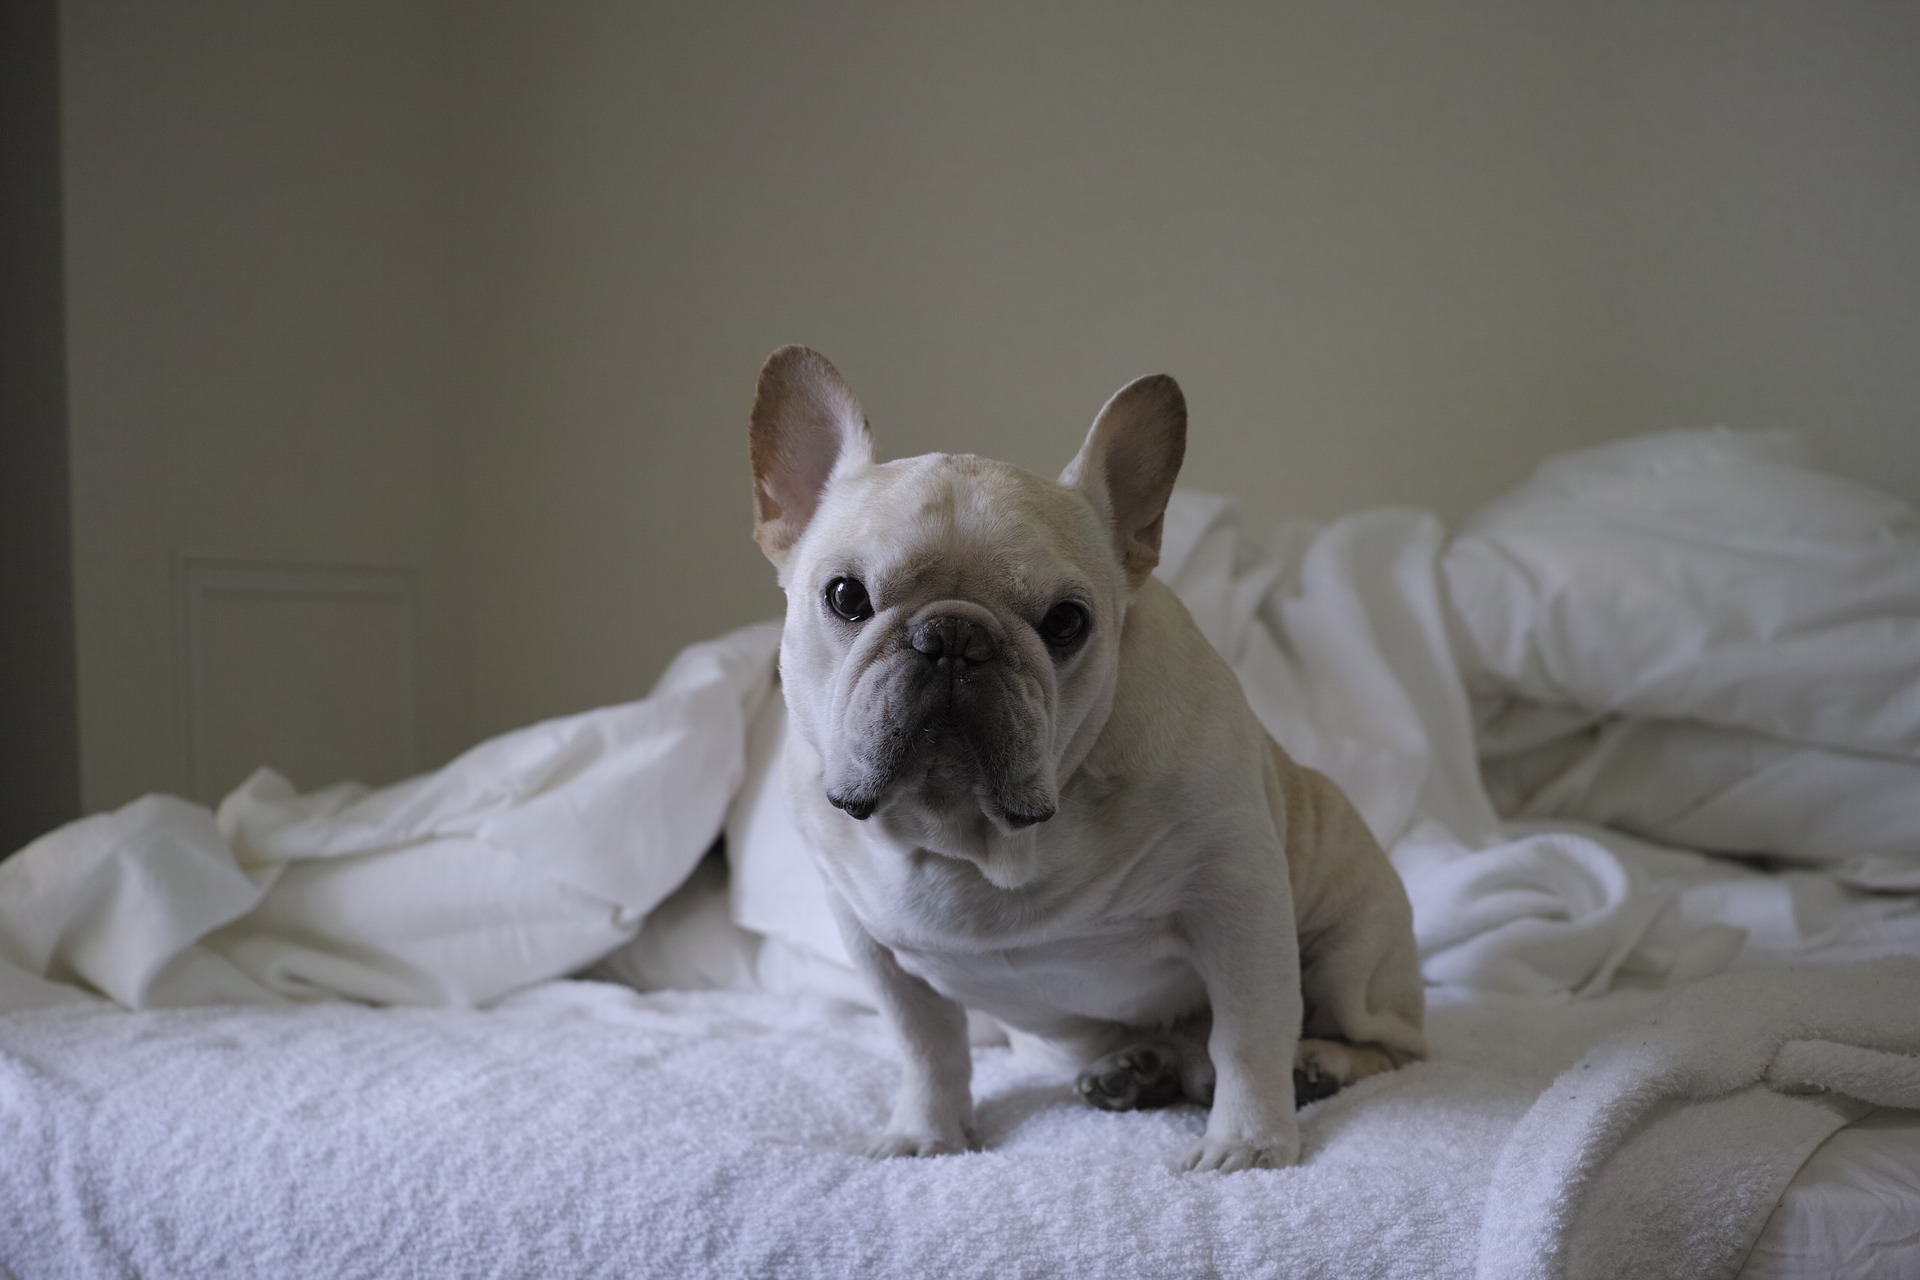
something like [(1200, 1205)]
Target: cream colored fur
[(1094, 842)]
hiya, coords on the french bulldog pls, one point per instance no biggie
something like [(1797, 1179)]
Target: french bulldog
[(1035, 790)]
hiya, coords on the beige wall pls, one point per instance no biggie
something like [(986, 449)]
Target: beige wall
[(257, 319), (1396, 253)]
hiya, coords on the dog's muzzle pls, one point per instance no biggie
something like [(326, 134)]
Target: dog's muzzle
[(949, 690)]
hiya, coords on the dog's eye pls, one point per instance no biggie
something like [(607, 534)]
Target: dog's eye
[(846, 597), (1063, 623)]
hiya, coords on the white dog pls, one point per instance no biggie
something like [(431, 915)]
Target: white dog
[(1035, 790)]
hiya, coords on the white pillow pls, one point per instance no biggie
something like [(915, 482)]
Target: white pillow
[(1698, 575)]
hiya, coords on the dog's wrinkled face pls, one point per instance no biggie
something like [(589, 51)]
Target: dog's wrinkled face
[(953, 624), (950, 624)]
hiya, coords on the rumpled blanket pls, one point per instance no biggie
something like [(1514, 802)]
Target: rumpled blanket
[(528, 857), (1697, 638), (1370, 647)]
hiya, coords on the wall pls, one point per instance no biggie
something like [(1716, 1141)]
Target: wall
[(1762, 210), (479, 289), (1396, 253), (257, 316)]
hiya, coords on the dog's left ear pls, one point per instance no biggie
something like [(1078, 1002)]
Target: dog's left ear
[(1128, 465), (805, 428)]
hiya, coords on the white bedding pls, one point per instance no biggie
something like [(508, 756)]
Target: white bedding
[(1696, 637), (583, 1129), (1361, 646), (531, 855), (1853, 1210)]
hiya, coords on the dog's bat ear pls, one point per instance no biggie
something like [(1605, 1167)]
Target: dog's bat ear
[(806, 427), (1128, 464)]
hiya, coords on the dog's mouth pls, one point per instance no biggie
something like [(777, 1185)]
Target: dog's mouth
[(1021, 821), (860, 810), (938, 788), (947, 751)]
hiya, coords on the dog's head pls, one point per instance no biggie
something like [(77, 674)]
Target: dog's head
[(953, 624)]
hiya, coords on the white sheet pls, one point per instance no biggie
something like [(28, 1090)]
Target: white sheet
[(542, 849), (529, 856), (1706, 787), (1853, 1210)]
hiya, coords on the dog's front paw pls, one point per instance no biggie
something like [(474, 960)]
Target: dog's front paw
[(1247, 1140), (949, 1141), (1230, 1155)]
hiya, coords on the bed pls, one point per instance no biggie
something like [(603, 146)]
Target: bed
[(571, 1005)]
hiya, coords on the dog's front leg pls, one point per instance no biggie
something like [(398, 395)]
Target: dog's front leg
[(1242, 941), (933, 1110)]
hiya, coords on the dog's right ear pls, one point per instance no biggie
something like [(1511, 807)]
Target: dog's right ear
[(806, 428)]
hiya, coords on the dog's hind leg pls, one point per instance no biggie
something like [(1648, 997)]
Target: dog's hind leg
[(1321, 1068)]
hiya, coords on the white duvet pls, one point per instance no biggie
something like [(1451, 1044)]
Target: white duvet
[(1696, 600)]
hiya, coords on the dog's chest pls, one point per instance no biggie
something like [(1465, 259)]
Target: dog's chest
[(1138, 977), (1039, 969)]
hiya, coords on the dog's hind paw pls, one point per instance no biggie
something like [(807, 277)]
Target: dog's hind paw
[(1312, 1082), (1321, 1068), (1141, 1077)]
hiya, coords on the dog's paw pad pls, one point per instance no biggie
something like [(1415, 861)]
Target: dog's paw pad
[(1141, 1077)]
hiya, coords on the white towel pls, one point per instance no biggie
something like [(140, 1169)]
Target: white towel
[(582, 1129), (1663, 1150)]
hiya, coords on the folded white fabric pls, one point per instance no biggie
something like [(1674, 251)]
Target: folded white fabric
[(1663, 1150), (1724, 790), (529, 856), (1339, 635)]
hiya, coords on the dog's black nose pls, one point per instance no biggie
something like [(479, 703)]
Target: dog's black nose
[(948, 639), (860, 808)]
